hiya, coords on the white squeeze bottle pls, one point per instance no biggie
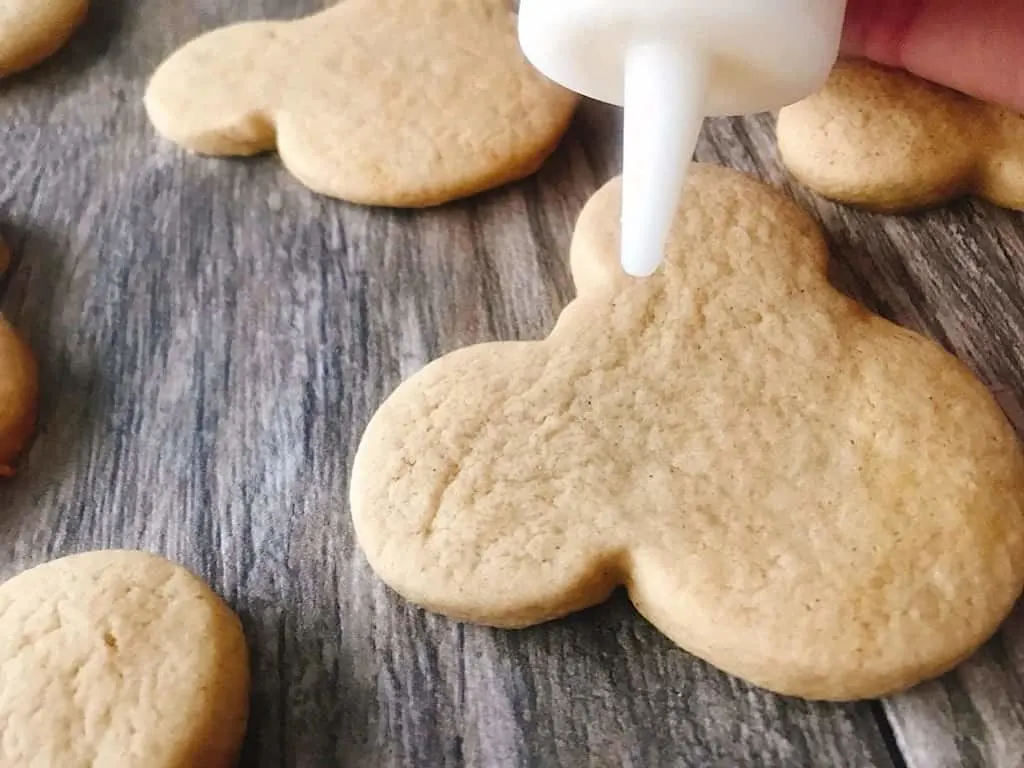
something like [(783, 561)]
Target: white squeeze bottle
[(670, 64)]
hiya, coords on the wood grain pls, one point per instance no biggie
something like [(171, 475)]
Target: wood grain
[(214, 338)]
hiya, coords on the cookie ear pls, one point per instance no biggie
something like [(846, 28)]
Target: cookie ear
[(451, 528), (217, 94), (596, 266), (765, 240)]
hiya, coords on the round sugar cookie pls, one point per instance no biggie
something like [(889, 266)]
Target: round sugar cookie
[(118, 658), (32, 30), (404, 103)]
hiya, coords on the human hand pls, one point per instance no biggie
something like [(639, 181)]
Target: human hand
[(973, 46)]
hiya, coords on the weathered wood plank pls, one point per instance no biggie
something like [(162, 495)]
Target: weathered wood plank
[(214, 338)]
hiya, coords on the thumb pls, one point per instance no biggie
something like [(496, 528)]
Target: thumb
[(973, 46)]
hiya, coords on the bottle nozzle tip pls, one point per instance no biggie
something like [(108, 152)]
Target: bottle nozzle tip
[(664, 94), (644, 233)]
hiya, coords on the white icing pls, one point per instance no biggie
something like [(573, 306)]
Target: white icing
[(671, 63)]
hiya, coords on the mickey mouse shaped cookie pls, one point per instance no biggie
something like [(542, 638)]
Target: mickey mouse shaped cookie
[(32, 30), (799, 492), (887, 141), (405, 103)]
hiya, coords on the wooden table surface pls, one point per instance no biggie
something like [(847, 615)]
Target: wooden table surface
[(214, 338)]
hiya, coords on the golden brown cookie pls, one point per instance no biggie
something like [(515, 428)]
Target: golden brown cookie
[(119, 658), (19, 388), (800, 492), (32, 30), (885, 140), (19, 394), (384, 102)]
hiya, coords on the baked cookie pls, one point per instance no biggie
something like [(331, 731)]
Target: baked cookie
[(404, 103), (32, 30), (19, 388), (19, 395), (119, 658), (887, 141), (798, 491)]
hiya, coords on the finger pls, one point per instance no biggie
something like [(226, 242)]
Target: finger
[(973, 46)]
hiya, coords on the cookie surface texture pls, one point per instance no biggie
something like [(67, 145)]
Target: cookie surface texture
[(32, 30), (121, 659), (801, 493), (885, 140), (405, 103)]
